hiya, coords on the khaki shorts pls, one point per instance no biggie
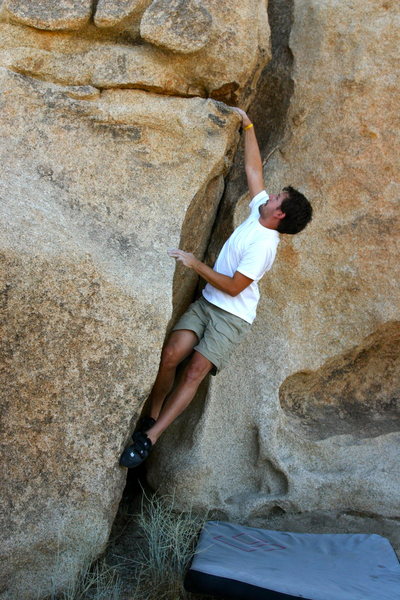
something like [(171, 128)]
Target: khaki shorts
[(219, 332)]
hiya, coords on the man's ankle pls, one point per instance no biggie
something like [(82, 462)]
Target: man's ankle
[(153, 437)]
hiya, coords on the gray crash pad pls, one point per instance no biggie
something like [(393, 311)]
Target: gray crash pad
[(248, 563)]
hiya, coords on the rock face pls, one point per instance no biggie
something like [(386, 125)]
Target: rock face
[(306, 417), (123, 15), (354, 393), (114, 147), (50, 14), (95, 187), (177, 48), (111, 152), (177, 25)]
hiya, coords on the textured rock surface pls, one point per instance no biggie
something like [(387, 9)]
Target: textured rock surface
[(50, 14), (86, 288), (355, 393), (178, 25), (123, 14), (228, 45), (96, 182), (86, 283), (329, 306)]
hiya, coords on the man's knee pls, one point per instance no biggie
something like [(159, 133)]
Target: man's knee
[(178, 346), (170, 355), (197, 369)]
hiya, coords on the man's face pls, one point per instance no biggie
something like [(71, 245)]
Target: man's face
[(272, 204)]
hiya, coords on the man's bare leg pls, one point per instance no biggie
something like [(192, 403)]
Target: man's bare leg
[(178, 347), (181, 397), (176, 402)]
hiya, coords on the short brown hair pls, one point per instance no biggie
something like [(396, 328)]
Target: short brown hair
[(298, 212)]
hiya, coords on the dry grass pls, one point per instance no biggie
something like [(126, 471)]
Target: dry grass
[(97, 581), (166, 543), (147, 559)]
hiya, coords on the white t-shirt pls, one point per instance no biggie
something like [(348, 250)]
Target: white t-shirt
[(251, 250)]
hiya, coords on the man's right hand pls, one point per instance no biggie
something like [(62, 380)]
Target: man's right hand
[(245, 119)]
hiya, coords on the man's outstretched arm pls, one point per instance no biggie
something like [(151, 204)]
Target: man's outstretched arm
[(252, 157), (230, 285)]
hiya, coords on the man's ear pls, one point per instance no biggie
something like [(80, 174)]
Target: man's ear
[(279, 214)]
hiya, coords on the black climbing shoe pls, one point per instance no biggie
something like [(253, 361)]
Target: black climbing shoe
[(134, 455), (144, 424)]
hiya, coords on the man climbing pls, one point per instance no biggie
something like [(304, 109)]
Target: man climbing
[(213, 325)]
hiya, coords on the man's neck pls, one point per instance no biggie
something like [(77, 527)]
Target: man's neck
[(269, 223)]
